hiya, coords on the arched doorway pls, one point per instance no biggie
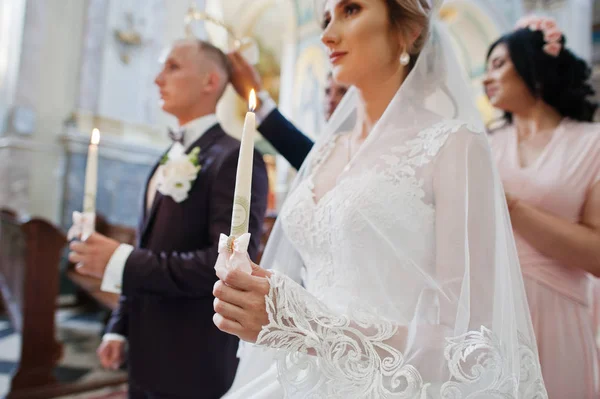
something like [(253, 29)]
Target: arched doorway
[(473, 29)]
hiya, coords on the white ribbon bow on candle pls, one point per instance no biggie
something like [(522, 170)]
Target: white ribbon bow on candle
[(84, 224), (233, 253)]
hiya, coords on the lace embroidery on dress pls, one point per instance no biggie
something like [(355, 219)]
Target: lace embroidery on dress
[(325, 355), (358, 354)]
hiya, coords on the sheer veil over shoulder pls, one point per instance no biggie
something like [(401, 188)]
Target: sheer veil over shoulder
[(402, 280)]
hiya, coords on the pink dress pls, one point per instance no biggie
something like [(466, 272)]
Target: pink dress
[(560, 297)]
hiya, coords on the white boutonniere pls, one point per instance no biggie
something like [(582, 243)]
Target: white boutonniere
[(177, 172)]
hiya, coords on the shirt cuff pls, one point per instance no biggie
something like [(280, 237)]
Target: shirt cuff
[(113, 275), (113, 337), (267, 105)]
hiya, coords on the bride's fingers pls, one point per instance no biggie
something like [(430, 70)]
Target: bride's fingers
[(233, 278), (229, 294), (226, 325), (237, 279), (228, 310), (258, 271)]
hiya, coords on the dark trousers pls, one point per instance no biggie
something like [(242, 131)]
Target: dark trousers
[(135, 392)]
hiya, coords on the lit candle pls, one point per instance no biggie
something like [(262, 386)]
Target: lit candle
[(91, 174), (243, 180)]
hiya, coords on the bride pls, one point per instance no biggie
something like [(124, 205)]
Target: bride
[(392, 266)]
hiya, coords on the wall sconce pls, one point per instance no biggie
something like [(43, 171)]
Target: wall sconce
[(128, 38)]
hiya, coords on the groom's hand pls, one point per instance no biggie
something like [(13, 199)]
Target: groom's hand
[(111, 354), (92, 255)]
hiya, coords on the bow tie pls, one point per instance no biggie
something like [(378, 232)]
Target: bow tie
[(177, 136)]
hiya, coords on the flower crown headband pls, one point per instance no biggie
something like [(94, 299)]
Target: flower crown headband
[(548, 26)]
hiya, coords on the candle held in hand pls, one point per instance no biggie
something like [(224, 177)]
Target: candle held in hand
[(91, 174), (243, 182)]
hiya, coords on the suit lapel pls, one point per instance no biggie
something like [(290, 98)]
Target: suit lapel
[(146, 214), (145, 202), (204, 142)]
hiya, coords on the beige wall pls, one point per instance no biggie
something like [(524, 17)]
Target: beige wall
[(49, 83)]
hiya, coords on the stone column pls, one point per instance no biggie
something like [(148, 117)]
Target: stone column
[(26, 18), (12, 16), (96, 21)]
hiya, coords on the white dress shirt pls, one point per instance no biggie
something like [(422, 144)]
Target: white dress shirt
[(113, 275), (267, 105)]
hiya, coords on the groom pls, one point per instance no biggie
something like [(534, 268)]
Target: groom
[(166, 306)]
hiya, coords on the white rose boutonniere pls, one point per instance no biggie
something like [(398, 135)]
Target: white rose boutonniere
[(177, 172)]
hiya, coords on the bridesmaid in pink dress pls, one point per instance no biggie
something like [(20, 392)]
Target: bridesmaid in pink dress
[(548, 156)]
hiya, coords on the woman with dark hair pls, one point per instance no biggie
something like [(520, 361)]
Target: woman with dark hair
[(548, 155)]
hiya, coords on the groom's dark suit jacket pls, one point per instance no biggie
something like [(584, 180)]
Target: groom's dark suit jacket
[(166, 308)]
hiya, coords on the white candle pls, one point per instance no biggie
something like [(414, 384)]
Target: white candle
[(91, 174), (243, 180)]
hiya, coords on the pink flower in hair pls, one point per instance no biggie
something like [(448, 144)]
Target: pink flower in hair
[(548, 26), (553, 49), (552, 36)]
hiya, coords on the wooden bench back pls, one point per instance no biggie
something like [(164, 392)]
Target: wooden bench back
[(30, 252)]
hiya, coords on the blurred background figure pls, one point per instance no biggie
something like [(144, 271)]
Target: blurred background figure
[(548, 155), (334, 92)]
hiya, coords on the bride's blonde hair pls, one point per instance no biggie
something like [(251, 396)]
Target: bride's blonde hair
[(407, 17)]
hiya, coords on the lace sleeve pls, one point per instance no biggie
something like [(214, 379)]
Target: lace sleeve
[(360, 353), (478, 344)]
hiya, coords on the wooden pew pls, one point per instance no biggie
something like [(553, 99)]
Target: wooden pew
[(30, 252)]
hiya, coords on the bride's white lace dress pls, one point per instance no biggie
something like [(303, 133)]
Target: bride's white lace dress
[(395, 272), (398, 279)]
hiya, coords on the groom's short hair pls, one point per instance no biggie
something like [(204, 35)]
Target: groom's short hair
[(220, 60)]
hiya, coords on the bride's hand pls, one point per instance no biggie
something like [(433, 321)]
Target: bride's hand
[(240, 302)]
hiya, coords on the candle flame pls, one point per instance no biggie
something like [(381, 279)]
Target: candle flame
[(95, 136), (252, 101)]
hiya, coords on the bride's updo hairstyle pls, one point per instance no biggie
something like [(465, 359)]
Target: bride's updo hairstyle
[(408, 17)]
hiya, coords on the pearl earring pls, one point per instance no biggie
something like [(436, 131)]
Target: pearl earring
[(404, 58)]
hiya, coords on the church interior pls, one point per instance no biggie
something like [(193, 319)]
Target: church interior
[(70, 66)]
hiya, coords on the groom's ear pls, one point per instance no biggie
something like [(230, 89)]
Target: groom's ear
[(214, 82)]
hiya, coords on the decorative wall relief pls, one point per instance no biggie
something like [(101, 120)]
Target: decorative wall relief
[(129, 37)]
